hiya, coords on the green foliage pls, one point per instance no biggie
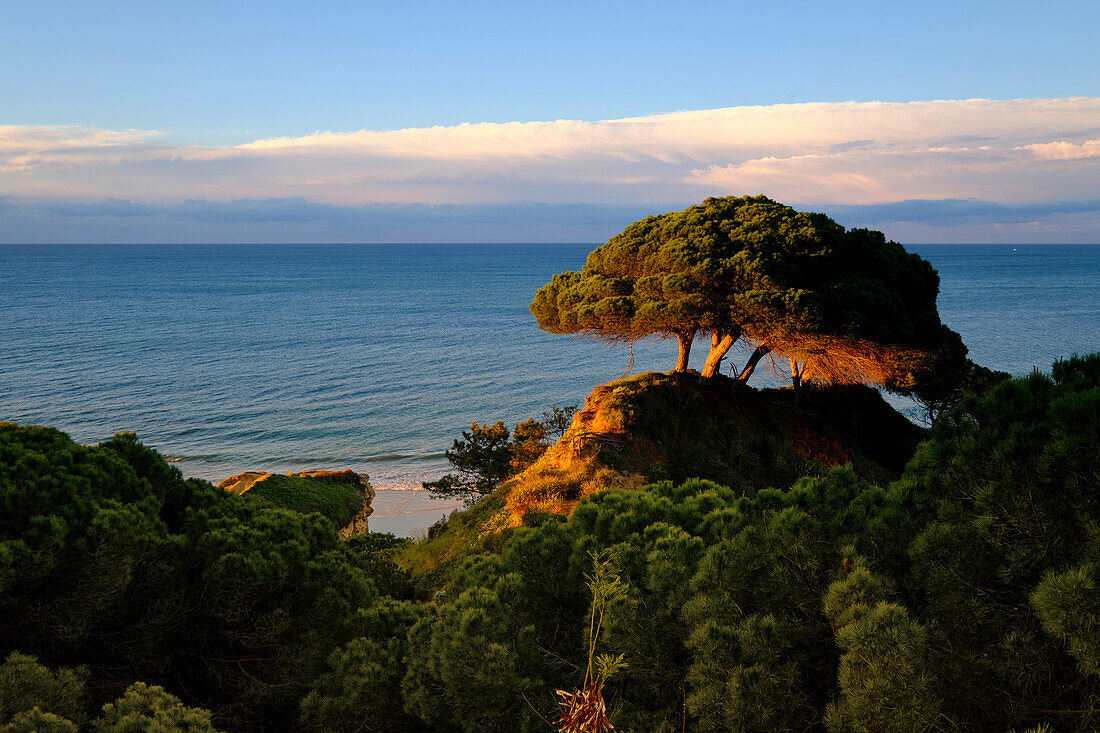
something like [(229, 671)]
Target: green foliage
[(376, 553), (747, 267), (1068, 605), (109, 558), (1013, 478), (35, 700), (557, 420), (607, 588), (854, 596), (885, 683), (487, 455), (701, 441), (962, 596), (758, 628), (432, 561), (938, 381), (483, 459), (831, 603), (361, 687), (1079, 372), (337, 501), (87, 558), (738, 671), (529, 441), (278, 592), (25, 685), (149, 709), (750, 439), (37, 721), (465, 668)]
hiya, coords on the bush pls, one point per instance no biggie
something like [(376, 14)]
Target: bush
[(149, 708), (26, 685), (108, 557), (337, 501)]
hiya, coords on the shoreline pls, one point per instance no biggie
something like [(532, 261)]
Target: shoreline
[(404, 510), (397, 478), (407, 512)]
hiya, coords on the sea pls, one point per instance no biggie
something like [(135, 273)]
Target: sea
[(373, 357)]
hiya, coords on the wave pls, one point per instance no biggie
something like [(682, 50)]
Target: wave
[(345, 460), (399, 487), (207, 458)]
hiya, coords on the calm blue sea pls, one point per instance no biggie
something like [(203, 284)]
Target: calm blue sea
[(373, 357)]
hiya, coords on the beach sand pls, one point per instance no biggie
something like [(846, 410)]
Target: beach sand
[(408, 512)]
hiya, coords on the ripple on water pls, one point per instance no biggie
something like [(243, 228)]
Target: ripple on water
[(373, 357)]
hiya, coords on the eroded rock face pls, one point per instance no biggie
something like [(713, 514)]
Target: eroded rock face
[(242, 482), (358, 523)]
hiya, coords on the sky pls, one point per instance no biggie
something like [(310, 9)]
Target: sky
[(492, 121)]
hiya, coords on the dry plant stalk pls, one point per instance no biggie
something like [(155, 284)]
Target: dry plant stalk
[(584, 710)]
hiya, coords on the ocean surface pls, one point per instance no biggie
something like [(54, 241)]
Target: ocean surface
[(374, 357)]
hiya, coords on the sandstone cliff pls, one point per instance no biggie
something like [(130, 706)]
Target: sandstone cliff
[(654, 427)]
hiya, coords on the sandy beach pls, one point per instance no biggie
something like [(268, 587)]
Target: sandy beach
[(408, 512)]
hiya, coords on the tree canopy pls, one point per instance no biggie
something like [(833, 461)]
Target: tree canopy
[(939, 380), (842, 305)]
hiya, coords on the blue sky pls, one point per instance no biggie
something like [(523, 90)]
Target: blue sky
[(146, 102)]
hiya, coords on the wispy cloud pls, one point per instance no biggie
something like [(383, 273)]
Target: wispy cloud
[(28, 147), (298, 220)]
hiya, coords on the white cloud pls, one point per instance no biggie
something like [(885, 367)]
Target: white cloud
[(850, 153), (1063, 150)]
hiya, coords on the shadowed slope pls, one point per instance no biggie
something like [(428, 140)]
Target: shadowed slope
[(670, 426)]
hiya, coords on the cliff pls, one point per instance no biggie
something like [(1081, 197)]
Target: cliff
[(656, 426)]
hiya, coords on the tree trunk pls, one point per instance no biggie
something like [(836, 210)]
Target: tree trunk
[(796, 379), (796, 375), (718, 348), (686, 339), (760, 352)]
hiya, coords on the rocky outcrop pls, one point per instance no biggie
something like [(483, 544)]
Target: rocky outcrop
[(243, 482), (358, 523)]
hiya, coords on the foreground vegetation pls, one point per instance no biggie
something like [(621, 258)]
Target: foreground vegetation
[(962, 596)]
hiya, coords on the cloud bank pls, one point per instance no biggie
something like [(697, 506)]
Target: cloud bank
[(1031, 166)]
